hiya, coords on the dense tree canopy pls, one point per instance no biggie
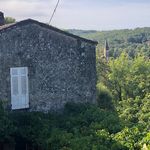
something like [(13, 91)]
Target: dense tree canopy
[(129, 41), (128, 78)]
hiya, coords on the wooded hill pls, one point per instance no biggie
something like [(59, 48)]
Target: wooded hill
[(132, 41)]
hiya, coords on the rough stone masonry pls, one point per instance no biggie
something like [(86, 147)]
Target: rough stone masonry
[(62, 66)]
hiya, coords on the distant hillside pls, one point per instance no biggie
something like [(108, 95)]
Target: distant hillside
[(132, 41)]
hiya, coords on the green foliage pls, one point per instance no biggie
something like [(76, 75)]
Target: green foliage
[(135, 110), (119, 69), (135, 114), (104, 97), (146, 140), (128, 78), (130, 138), (9, 20), (79, 127), (30, 127), (102, 69), (82, 126), (7, 128), (130, 41)]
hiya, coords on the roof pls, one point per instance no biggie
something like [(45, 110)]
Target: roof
[(25, 22), (6, 26)]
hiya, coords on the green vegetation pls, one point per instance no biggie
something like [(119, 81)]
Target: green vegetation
[(130, 41), (120, 121), (79, 127), (83, 127), (9, 20), (127, 77)]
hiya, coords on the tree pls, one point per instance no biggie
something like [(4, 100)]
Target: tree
[(9, 20), (119, 70), (127, 77)]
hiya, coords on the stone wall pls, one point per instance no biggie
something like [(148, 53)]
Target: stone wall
[(61, 68)]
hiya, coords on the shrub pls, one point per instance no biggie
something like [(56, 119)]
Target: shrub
[(7, 128), (104, 98)]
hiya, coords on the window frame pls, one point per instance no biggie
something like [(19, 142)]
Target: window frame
[(23, 99)]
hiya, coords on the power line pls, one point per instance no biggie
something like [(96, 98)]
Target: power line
[(54, 12)]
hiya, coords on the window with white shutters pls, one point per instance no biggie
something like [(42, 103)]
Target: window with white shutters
[(19, 88)]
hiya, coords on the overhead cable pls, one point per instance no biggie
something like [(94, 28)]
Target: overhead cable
[(54, 12)]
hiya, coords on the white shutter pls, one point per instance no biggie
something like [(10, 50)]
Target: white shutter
[(19, 88), (14, 88)]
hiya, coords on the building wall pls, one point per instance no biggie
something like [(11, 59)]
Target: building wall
[(61, 68)]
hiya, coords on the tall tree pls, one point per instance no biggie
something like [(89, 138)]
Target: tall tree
[(128, 77)]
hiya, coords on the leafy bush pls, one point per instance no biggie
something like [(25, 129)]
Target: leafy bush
[(104, 97), (7, 128), (130, 137), (81, 126)]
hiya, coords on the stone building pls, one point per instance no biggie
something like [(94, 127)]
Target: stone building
[(42, 67)]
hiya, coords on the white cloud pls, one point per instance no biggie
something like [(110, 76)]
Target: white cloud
[(27, 9), (83, 14)]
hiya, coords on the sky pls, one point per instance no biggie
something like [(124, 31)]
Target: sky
[(82, 14)]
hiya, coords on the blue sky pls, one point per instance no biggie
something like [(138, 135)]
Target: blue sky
[(82, 14)]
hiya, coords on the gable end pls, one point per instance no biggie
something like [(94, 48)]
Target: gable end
[(28, 21)]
